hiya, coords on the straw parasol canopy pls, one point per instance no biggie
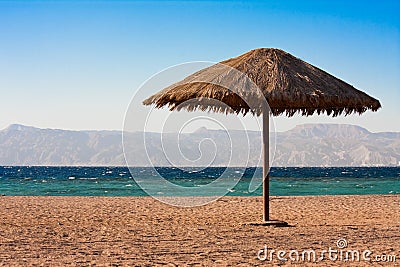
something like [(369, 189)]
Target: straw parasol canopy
[(289, 85)]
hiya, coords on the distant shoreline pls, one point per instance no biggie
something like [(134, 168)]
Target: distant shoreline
[(183, 167)]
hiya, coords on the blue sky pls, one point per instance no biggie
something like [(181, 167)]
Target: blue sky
[(76, 65)]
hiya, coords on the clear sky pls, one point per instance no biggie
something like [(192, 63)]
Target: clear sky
[(76, 65)]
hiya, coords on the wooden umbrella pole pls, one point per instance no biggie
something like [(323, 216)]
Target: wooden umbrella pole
[(266, 163)]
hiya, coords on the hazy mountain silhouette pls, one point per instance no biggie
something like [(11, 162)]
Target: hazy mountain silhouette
[(304, 145)]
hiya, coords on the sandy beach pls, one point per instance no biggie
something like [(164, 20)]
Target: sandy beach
[(119, 231)]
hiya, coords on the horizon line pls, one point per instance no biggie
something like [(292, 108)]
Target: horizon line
[(202, 127)]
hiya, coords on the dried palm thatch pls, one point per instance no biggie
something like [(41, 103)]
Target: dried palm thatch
[(288, 83)]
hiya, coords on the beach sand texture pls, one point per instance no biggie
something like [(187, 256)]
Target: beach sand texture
[(119, 231)]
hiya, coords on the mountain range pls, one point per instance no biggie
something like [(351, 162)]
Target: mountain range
[(319, 145)]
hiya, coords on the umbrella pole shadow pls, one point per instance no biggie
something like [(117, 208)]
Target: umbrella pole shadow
[(274, 223)]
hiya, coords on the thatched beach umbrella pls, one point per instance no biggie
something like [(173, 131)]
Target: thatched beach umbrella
[(287, 83)]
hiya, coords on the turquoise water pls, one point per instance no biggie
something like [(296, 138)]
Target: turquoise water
[(118, 181)]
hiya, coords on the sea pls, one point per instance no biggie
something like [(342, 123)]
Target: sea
[(123, 181)]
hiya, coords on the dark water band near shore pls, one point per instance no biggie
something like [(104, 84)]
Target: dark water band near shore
[(118, 181)]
